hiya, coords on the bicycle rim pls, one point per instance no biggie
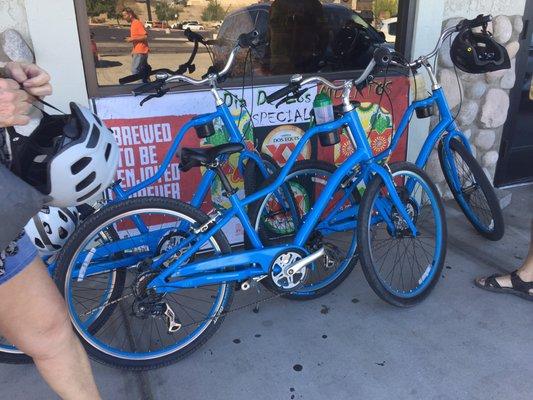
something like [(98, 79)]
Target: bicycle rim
[(404, 266), (127, 334)]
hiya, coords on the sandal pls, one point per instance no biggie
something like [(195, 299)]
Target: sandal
[(518, 288)]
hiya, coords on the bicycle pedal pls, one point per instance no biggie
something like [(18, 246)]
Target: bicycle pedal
[(172, 325)]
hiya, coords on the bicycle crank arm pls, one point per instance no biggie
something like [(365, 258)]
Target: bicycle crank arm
[(298, 265)]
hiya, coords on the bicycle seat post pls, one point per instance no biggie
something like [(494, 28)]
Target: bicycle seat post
[(228, 189)]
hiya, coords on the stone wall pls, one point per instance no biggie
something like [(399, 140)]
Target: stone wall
[(15, 41), (485, 98)]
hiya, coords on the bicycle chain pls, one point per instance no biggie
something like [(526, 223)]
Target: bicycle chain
[(108, 304), (235, 310), (223, 314)]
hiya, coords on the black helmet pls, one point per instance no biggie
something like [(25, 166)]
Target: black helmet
[(477, 53)]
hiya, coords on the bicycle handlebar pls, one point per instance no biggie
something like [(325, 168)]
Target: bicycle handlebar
[(380, 58), (164, 76), (193, 36), (187, 66), (480, 20)]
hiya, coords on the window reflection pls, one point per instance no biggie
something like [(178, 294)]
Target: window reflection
[(300, 36)]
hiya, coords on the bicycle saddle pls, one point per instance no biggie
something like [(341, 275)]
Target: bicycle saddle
[(197, 157)]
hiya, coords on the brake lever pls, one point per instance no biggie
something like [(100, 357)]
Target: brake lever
[(283, 101), (160, 93), (294, 96)]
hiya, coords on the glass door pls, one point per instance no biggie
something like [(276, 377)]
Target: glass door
[(516, 151)]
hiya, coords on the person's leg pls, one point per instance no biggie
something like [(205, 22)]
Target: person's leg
[(33, 317), (144, 68), (135, 61), (525, 272)]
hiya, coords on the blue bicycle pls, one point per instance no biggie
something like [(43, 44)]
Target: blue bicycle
[(467, 181), (254, 166), (180, 271)]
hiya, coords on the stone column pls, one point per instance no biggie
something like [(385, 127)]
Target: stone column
[(485, 98)]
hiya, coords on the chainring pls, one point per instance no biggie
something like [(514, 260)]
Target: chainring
[(278, 275)]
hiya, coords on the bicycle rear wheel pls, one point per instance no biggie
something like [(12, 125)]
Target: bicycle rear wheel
[(135, 334), (276, 225), (476, 195), (402, 269)]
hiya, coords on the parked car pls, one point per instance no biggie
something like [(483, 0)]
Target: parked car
[(193, 26), (179, 24), (350, 45), (388, 27), (156, 24)]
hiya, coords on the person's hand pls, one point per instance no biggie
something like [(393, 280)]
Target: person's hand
[(15, 104), (128, 39), (32, 78)]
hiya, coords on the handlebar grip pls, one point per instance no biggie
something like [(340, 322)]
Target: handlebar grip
[(480, 20), (382, 56), (148, 87), (193, 36), (250, 39), (284, 91), (130, 79)]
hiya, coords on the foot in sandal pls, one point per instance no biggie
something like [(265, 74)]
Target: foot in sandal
[(516, 283), (519, 282)]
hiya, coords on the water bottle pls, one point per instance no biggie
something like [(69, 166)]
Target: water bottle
[(323, 110), (419, 92)]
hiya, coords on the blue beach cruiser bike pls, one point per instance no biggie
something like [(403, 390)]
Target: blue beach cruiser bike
[(178, 271), (253, 165)]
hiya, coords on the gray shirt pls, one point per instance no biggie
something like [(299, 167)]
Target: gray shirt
[(18, 201)]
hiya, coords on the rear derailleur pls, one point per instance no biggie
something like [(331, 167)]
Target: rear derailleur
[(149, 304)]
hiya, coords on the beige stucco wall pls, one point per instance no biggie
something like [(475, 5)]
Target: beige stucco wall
[(471, 8)]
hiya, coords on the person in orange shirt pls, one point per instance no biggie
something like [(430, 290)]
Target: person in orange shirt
[(139, 38)]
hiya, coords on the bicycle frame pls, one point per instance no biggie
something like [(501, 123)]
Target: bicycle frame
[(256, 262), (446, 124), (222, 112)]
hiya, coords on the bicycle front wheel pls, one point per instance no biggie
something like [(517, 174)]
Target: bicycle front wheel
[(475, 194), (135, 333), (400, 267)]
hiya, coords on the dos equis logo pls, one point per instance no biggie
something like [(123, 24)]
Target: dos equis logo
[(281, 142)]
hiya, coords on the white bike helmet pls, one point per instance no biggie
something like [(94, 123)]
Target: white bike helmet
[(73, 159), (51, 227)]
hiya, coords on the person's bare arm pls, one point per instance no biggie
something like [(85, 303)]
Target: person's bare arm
[(140, 38)]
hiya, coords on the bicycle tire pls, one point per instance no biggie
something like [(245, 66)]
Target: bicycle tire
[(135, 206), (428, 278), (253, 176), (304, 293), (493, 229)]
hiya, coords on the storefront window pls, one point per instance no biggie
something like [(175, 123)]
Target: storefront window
[(299, 36)]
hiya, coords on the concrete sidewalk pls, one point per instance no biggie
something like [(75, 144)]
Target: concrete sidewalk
[(461, 343)]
